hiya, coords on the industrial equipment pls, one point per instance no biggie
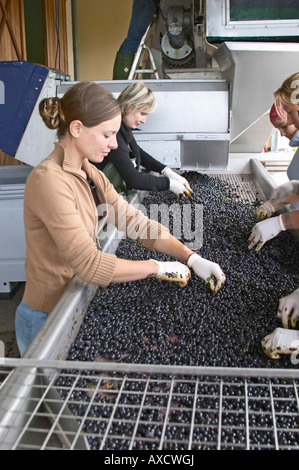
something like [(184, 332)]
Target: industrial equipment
[(218, 72)]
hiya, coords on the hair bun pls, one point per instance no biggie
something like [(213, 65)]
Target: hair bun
[(51, 112)]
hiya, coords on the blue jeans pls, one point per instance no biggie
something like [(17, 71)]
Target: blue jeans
[(142, 15), (27, 323)]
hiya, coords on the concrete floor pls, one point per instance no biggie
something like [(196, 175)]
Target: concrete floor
[(8, 306)]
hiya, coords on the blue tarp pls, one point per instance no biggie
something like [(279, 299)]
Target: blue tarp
[(20, 86)]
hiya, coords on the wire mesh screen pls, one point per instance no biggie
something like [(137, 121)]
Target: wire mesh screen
[(135, 407)]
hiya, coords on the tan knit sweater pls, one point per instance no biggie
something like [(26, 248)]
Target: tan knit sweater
[(60, 228)]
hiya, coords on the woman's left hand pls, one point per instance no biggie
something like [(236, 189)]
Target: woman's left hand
[(265, 231), (281, 341), (175, 176), (208, 271)]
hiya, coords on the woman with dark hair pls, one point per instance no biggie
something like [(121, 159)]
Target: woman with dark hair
[(62, 198)]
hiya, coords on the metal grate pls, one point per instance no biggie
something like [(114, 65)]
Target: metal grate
[(110, 406), (242, 187)]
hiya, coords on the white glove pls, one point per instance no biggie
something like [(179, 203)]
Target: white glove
[(173, 271), (285, 189), (207, 270), (281, 341), (172, 175), (288, 309), (265, 211), (178, 188), (265, 231)]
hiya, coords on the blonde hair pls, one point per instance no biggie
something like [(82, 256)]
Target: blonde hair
[(136, 97), (87, 102), (288, 93)]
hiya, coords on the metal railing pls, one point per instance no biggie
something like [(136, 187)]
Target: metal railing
[(78, 405)]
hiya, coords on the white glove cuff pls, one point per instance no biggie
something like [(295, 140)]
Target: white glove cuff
[(159, 266), (191, 259), (281, 224), (165, 171)]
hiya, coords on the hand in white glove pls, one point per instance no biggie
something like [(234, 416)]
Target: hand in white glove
[(265, 231), (178, 188), (173, 271), (285, 190), (265, 210), (281, 341), (172, 175), (207, 270), (288, 309)]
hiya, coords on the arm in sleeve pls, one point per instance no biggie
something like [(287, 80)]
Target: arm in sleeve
[(291, 220), (133, 221), (134, 179), (54, 203)]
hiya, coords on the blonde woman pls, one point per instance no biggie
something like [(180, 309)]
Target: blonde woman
[(278, 119), (283, 340), (136, 103), (61, 198), (288, 96)]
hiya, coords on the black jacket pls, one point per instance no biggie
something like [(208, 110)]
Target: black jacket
[(121, 157)]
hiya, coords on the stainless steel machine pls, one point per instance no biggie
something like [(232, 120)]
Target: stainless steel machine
[(217, 74)]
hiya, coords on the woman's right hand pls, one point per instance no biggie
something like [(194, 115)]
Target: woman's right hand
[(265, 210), (288, 309), (174, 176), (173, 271)]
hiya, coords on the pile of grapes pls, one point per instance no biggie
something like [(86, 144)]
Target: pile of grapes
[(157, 322)]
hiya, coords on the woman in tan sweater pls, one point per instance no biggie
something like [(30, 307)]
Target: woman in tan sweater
[(63, 198)]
